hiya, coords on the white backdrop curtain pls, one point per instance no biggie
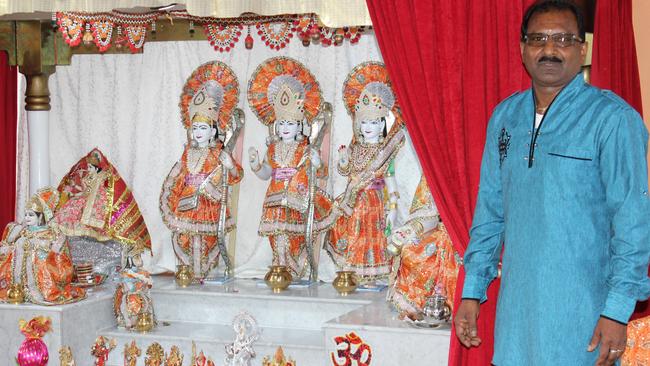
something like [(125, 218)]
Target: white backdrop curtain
[(127, 106)]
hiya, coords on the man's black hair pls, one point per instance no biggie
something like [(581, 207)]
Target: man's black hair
[(544, 6)]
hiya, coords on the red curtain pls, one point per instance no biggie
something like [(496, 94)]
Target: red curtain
[(9, 120), (614, 65), (450, 63)]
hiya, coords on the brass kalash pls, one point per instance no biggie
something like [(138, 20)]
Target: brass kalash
[(278, 278), (16, 293)]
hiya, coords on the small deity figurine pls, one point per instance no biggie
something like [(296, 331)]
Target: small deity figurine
[(36, 258), (101, 349), (240, 352), (368, 208), (65, 356), (199, 359), (428, 264), (174, 358), (155, 355), (131, 354), (194, 196), (96, 202), (132, 296), (286, 97)]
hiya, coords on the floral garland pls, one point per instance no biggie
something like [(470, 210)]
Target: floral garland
[(118, 28)]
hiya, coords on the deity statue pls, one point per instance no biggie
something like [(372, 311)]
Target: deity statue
[(174, 358), (286, 97), (428, 264), (65, 357), (199, 359), (367, 210), (131, 354), (155, 355), (194, 197), (96, 202), (36, 258), (240, 352), (132, 296)]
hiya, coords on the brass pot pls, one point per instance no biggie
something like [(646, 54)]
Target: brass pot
[(16, 293), (184, 275), (145, 322), (346, 282), (278, 278)]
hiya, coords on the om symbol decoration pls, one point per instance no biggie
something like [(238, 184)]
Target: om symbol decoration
[(351, 348)]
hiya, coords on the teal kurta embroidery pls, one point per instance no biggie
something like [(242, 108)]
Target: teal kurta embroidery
[(574, 226)]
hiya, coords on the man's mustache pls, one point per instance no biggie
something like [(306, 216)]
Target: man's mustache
[(549, 59)]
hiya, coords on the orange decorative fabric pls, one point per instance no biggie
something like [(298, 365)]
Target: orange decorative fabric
[(637, 352), (96, 202), (428, 264), (285, 204), (200, 176), (39, 258), (358, 242)]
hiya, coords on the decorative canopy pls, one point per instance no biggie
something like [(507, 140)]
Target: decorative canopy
[(333, 13)]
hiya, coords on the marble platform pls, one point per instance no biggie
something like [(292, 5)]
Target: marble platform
[(305, 321)]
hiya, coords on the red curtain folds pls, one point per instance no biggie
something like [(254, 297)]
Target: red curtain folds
[(614, 65), (450, 63), (9, 120)]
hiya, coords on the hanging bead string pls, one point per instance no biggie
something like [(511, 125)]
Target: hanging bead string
[(296, 22)]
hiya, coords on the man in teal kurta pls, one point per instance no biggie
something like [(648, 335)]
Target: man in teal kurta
[(563, 201)]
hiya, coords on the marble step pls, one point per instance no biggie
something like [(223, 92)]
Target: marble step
[(389, 339), (306, 307), (304, 346)]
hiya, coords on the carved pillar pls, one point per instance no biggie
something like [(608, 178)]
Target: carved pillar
[(37, 105)]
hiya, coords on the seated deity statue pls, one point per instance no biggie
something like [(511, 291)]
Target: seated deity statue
[(367, 209), (35, 258), (97, 203), (286, 97), (427, 262), (195, 194)]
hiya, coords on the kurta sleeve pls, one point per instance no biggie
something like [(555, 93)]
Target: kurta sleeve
[(486, 236), (625, 177)]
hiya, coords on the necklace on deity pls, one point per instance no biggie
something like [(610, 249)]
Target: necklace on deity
[(196, 158), (285, 152)]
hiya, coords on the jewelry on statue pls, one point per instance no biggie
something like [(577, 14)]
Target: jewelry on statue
[(394, 193), (392, 206), (418, 227)]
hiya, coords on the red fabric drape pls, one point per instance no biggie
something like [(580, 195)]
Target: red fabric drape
[(614, 65), (8, 118), (450, 63)]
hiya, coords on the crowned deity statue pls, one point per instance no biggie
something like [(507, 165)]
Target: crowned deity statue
[(96, 202), (132, 296), (194, 198), (286, 97), (427, 263), (367, 209), (35, 258)]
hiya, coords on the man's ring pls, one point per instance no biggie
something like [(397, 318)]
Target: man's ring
[(615, 350)]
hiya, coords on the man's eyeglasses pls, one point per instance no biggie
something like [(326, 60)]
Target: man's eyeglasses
[(559, 39)]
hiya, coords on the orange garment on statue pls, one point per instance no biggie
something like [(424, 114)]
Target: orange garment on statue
[(45, 272), (285, 204), (637, 352), (199, 223), (358, 242), (432, 263)]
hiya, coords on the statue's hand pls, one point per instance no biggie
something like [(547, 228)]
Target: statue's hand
[(343, 155), (253, 158), (391, 217), (226, 160)]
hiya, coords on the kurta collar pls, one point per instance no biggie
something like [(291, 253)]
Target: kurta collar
[(562, 101)]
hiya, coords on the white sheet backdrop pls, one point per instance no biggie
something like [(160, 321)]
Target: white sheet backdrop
[(127, 105)]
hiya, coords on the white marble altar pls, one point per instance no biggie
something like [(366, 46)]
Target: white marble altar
[(303, 320)]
